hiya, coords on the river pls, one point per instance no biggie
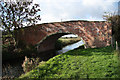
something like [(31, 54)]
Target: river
[(15, 69), (70, 47)]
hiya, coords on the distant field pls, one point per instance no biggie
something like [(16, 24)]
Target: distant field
[(69, 40), (66, 41), (80, 63)]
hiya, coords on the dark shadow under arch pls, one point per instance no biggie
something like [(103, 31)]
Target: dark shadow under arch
[(48, 43)]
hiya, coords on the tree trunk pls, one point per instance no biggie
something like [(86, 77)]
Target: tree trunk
[(117, 48), (113, 41), (118, 45), (19, 43), (16, 38)]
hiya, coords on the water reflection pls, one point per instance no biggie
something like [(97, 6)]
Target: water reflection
[(70, 47)]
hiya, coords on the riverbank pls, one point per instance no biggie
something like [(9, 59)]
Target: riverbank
[(80, 63), (62, 42), (13, 60), (13, 68)]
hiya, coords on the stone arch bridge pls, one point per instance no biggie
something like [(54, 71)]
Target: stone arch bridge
[(94, 33)]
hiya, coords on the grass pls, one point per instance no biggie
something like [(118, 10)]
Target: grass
[(67, 41), (81, 63), (62, 42)]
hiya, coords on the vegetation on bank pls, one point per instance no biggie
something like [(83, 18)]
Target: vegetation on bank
[(80, 63), (9, 52), (62, 42)]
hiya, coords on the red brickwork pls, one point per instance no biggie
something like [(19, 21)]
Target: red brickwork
[(94, 33)]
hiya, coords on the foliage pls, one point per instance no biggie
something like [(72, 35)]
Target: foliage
[(115, 24), (8, 43), (14, 14), (18, 14), (114, 19), (80, 63), (8, 55), (30, 63)]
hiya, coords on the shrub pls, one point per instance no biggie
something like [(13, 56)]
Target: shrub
[(30, 63)]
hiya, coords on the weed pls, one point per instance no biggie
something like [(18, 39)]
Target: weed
[(30, 63)]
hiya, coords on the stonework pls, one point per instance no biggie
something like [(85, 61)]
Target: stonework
[(94, 33)]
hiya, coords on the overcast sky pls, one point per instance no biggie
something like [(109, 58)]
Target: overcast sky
[(65, 10)]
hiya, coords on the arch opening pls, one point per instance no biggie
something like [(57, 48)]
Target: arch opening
[(67, 40), (48, 43), (57, 41)]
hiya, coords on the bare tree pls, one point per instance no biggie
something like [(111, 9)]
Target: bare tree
[(18, 14), (115, 24)]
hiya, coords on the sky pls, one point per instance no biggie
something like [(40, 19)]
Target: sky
[(70, 35), (66, 10)]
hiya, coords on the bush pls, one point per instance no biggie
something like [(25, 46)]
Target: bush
[(30, 63), (8, 55)]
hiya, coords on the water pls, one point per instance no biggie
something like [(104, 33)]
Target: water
[(70, 47)]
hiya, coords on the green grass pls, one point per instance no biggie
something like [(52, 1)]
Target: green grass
[(62, 42), (66, 41), (81, 63)]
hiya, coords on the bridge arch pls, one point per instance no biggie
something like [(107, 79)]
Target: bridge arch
[(48, 43)]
